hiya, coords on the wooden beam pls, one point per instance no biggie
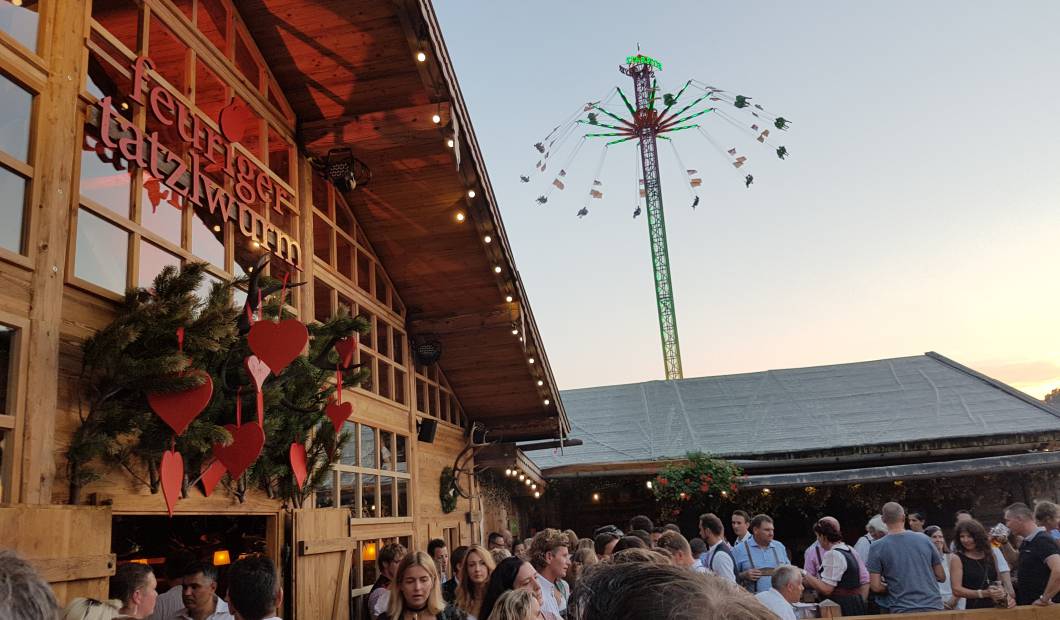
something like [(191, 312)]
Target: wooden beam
[(500, 316), (54, 570), (329, 545), (57, 129)]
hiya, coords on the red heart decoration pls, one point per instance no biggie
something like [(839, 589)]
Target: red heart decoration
[(234, 120), (345, 348), (257, 369), (247, 441), (277, 344), (172, 477), (211, 477), (339, 413), (298, 463), (178, 409)]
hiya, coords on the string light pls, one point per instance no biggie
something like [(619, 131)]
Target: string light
[(547, 402), (470, 193), (515, 332), (420, 56), (488, 239), (217, 228), (596, 497), (460, 217), (724, 493), (648, 484), (436, 119), (256, 244), (450, 143), (540, 383), (528, 482), (522, 477), (537, 494), (508, 299), (531, 360), (533, 486), (766, 491), (508, 472), (497, 269)]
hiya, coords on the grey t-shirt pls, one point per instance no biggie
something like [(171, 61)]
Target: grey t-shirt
[(906, 562)]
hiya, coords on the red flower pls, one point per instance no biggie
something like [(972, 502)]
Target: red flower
[(733, 486), (663, 482), (704, 487)]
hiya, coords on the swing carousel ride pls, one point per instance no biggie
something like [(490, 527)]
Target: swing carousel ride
[(648, 119)]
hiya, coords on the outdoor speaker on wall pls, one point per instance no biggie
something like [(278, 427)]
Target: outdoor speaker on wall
[(426, 429)]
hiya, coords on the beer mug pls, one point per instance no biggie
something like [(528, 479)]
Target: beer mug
[(999, 535)]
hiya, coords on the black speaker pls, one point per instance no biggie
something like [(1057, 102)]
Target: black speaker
[(426, 428)]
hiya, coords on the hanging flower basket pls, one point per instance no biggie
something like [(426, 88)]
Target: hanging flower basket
[(697, 481)]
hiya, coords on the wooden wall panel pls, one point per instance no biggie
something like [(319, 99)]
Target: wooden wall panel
[(54, 540), (434, 457)]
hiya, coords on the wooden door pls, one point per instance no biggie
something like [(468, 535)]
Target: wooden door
[(68, 545), (322, 560)]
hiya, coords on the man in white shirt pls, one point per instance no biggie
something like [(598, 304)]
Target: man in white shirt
[(551, 557), (786, 590), (199, 594), (741, 524), (678, 546), (254, 589), (718, 558)]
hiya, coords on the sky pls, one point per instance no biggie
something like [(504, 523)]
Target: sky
[(918, 210)]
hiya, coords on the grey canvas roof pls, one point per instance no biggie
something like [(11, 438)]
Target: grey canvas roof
[(886, 401)]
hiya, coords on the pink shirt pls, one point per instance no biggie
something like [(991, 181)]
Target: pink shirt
[(812, 563)]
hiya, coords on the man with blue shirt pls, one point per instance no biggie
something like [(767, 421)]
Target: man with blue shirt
[(757, 557), (905, 566)]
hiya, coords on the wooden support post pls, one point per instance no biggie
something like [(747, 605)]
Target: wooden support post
[(56, 151)]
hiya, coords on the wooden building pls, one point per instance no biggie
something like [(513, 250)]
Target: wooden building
[(419, 249)]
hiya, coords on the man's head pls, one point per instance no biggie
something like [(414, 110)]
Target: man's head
[(827, 531), (23, 594), (893, 516), (917, 521), (656, 533), (508, 539), (641, 534), (135, 586), (1047, 514), (549, 554), (1020, 519), (673, 527), (604, 544), (876, 528), (762, 529), (495, 540), (962, 515), (641, 522), (740, 522), (199, 586), (456, 559), (440, 554), (678, 547), (389, 557), (699, 546), (711, 528), (788, 581), (254, 590)]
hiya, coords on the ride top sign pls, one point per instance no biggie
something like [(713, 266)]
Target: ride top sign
[(641, 59), (210, 151)]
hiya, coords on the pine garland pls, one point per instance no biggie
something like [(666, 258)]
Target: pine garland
[(137, 352)]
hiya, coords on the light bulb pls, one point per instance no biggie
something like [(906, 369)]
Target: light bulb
[(470, 193), (515, 332), (508, 298), (528, 482), (497, 269), (548, 402), (531, 360), (537, 494), (420, 56), (540, 382), (488, 239), (508, 472), (522, 477), (450, 143), (216, 228), (460, 217), (533, 486), (436, 119), (649, 484), (256, 244), (596, 497)]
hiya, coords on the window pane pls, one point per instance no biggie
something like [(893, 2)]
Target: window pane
[(347, 489), (369, 566), (399, 347), (368, 454), (213, 20), (12, 209), (349, 451), (102, 182), (385, 453), (386, 496), (364, 272), (203, 291), (160, 211), (102, 252), (4, 459), (383, 378), (368, 505), (246, 64), (207, 237), (321, 301), (17, 104), (402, 454), (403, 497), (152, 260), (121, 18), (169, 54), (380, 285), (382, 338), (399, 386), (7, 346), (325, 493), (210, 94), (20, 21), (344, 217), (279, 155), (344, 257)]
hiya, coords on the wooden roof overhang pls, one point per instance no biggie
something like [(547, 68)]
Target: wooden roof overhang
[(351, 74)]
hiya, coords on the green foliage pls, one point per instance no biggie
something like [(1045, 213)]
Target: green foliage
[(137, 352), (447, 490), (694, 482), (1053, 397)]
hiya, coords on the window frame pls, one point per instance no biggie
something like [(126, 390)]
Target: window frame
[(392, 473), (12, 421)]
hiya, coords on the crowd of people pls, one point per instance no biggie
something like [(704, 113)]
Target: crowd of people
[(901, 565)]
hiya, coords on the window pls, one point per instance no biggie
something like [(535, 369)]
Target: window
[(365, 570), (102, 252), (435, 398), (20, 19), (15, 169), (11, 359), (372, 474)]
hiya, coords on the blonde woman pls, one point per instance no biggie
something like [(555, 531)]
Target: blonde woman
[(475, 574), (516, 605), (415, 592), (92, 609)]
